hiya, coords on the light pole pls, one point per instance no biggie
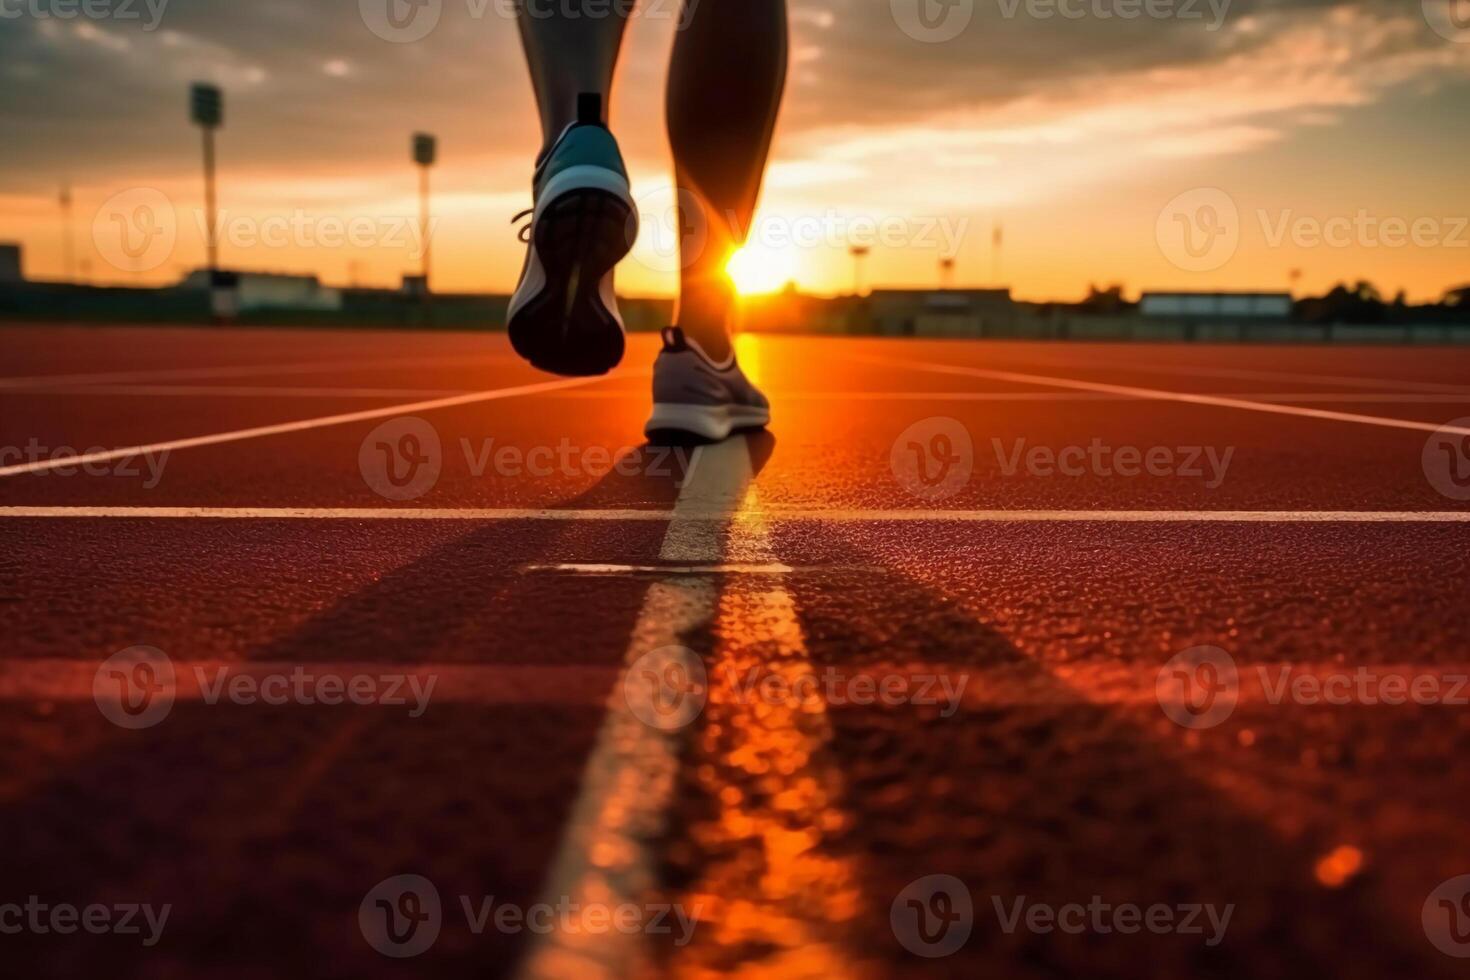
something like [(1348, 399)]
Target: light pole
[(425, 153), (207, 110), (946, 273), (858, 253), (67, 256)]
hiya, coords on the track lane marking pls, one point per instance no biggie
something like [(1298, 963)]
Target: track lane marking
[(777, 513), (1004, 397), (236, 391), (244, 370), (1158, 394), (628, 785), (281, 428), (1250, 374)]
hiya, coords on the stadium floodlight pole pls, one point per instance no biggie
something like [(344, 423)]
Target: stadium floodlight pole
[(207, 110), (858, 253), (68, 258), (425, 152), (946, 273)]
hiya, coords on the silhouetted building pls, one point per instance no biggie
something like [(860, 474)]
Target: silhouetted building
[(940, 312), (1224, 306), (10, 263), (272, 291)]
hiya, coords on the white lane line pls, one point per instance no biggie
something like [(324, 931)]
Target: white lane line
[(1020, 397), (727, 568), (606, 854), (1245, 374), (235, 391), (244, 370), (835, 516), (411, 408), (1157, 394), (1344, 398)]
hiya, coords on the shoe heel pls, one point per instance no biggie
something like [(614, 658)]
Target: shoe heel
[(568, 329)]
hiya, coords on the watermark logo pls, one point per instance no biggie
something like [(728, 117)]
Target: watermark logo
[(933, 916), (666, 688), (135, 688), (1183, 10), (114, 10), (401, 21), (136, 231), (1206, 463), (1199, 687), (402, 458), (1446, 917), (1446, 459), (671, 228), (1104, 918), (1199, 231), (933, 459), (1449, 18), (401, 916), (932, 21), (43, 918)]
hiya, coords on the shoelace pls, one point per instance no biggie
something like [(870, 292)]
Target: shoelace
[(524, 232)]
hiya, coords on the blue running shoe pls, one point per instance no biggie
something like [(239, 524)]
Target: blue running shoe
[(564, 317)]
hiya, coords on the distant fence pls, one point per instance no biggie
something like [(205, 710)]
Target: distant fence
[(386, 309), (1162, 330)]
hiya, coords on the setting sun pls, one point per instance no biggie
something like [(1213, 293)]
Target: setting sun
[(756, 269)]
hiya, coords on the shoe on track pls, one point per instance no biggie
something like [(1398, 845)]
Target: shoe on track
[(695, 396), (564, 317)]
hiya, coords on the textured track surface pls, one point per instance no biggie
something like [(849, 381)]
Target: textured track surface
[(802, 571)]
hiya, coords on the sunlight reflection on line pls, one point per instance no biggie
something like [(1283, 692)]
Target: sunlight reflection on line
[(773, 890)]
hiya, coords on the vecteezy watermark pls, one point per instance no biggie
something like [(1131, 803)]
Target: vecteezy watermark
[(932, 21), (673, 223), (134, 688), (932, 916), (1213, 12), (666, 688), (137, 687), (933, 459), (831, 686), (1450, 19), (402, 916), (1200, 687), (1363, 229), (1101, 917), (64, 919), (403, 459), (1446, 459), (1205, 463), (145, 465), (149, 11), (407, 21), (137, 230), (305, 229), (1446, 917), (1199, 230)]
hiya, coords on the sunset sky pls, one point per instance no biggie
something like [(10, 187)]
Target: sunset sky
[(1081, 135)]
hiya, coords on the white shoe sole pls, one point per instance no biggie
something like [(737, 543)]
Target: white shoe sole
[(564, 315), (713, 422)]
